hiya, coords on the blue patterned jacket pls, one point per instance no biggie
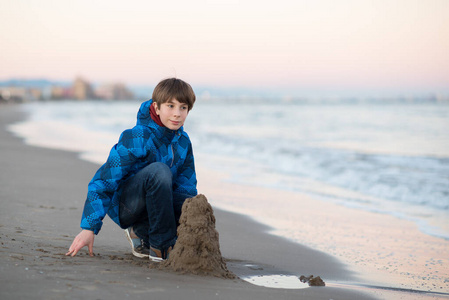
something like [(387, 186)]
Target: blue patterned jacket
[(138, 147)]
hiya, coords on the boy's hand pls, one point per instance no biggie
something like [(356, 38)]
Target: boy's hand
[(84, 238)]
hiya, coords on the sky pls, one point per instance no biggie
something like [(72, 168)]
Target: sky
[(294, 46)]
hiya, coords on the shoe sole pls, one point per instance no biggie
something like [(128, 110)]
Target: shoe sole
[(156, 259), (136, 254)]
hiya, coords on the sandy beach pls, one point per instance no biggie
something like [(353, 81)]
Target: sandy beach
[(43, 193)]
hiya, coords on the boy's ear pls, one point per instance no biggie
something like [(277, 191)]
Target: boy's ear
[(155, 107)]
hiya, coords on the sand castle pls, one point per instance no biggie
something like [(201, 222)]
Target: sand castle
[(197, 249)]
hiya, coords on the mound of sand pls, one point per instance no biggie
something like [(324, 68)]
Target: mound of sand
[(313, 281), (197, 249)]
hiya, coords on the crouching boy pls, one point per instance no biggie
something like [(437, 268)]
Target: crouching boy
[(146, 178)]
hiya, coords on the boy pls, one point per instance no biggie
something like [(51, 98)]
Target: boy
[(146, 178)]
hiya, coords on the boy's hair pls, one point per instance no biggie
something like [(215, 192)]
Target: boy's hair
[(171, 88)]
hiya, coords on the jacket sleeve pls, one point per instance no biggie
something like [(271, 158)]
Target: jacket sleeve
[(122, 159), (185, 182)]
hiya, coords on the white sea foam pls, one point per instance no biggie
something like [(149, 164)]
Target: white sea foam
[(276, 281)]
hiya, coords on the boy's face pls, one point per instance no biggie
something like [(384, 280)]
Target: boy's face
[(172, 113)]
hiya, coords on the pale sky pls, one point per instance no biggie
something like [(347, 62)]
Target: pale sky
[(297, 45)]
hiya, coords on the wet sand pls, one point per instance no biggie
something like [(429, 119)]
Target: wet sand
[(43, 193), (385, 253)]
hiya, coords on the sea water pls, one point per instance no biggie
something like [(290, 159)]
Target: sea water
[(387, 158)]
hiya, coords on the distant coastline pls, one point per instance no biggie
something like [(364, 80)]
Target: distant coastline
[(41, 89), (26, 90)]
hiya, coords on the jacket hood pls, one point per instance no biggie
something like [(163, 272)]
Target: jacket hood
[(144, 118), (143, 115)]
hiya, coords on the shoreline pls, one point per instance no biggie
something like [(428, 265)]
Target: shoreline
[(46, 128), (388, 251), (241, 239), (383, 251), (93, 139)]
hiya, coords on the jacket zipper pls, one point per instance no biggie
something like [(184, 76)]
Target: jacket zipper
[(173, 155), (173, 150)]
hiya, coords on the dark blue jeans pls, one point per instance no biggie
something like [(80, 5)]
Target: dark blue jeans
[(150, 206)]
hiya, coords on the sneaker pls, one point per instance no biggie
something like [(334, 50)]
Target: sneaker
[(157, 255), (138, 247)]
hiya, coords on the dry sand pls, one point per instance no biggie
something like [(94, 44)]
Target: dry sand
[(43, 193)]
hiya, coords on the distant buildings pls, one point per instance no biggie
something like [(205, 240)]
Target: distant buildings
[(60, 92), (116, 91), (19, 94), (80, 89)]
